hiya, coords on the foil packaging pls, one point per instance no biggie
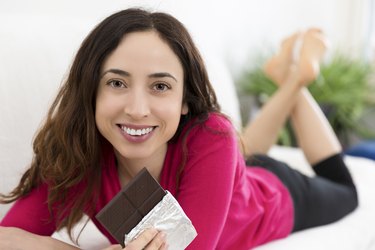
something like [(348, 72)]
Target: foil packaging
[(167, 216)]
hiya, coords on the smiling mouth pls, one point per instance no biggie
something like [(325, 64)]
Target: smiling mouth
[(136, 132)]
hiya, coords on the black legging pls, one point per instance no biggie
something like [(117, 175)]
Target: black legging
[(318, 200)]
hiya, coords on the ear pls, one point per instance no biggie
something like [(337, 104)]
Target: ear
[(184, 109)]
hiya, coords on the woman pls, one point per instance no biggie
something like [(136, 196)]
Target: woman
[(138, 95)]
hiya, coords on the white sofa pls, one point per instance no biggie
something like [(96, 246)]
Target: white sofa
[(33, 62)]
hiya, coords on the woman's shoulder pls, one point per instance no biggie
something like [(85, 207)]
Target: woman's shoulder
[(219, 122), (214, 125)]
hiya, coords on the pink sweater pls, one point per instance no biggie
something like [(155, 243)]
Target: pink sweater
[(231, 206)]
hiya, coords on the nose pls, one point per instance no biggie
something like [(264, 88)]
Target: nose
[(137, 105)]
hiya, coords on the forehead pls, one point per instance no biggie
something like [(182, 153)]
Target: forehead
[(146, 50)]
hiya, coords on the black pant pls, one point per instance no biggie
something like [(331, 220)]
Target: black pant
[(318, 200)]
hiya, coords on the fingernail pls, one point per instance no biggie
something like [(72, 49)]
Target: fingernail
[(153, 230), (163, 236)]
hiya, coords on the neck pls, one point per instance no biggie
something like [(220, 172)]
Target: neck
[(128, 168)]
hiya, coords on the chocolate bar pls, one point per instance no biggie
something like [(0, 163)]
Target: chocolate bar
[(130, 205)]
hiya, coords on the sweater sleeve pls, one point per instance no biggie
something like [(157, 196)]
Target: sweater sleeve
[(207, 181), (31, 213)]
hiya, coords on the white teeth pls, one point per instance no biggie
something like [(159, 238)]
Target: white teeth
[(131, 131)]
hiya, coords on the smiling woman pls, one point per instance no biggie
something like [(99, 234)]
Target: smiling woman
[(132, 100), (138, 95)]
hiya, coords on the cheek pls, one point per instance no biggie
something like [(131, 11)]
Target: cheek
[(174, 103), (106, 107), (100, 107), (100, 116), (168, 112)]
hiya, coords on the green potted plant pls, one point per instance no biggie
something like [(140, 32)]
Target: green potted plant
[(343, 90)]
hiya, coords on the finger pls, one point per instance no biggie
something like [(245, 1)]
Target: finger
[(142, 240), (164, 246), (157, 242), (113, 247)]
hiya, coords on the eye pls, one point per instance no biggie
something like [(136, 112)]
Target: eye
[(161, 87), (116, 84)]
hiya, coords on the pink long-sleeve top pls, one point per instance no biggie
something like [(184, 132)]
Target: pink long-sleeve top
[(232, 206)]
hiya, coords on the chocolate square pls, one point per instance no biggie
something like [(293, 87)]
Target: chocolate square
[(130, 205)]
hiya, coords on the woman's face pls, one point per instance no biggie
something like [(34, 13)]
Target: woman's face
[(139, 100)]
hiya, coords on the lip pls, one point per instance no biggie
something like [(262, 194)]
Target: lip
[(136, 138)]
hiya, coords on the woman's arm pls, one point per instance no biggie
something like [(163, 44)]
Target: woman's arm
[(25, 227), (15, 238), (208, 180), (31, 213), (28, 224)]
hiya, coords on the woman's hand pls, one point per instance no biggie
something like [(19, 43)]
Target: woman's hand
[(150, 239), (12, 238)]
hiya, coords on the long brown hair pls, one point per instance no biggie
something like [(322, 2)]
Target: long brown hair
[(67, 148)]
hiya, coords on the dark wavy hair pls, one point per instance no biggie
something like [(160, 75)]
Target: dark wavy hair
[(68, 146)]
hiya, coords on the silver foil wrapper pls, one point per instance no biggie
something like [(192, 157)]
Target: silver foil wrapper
[(167, 216)]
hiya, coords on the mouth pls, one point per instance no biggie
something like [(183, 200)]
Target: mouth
[(136, 131)]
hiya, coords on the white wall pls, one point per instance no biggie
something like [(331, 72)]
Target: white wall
[(237, 26)]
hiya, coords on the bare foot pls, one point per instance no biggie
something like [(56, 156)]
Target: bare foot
[(277, 68), (309, 55)]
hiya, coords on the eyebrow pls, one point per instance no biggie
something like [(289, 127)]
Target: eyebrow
[(127, 74)]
